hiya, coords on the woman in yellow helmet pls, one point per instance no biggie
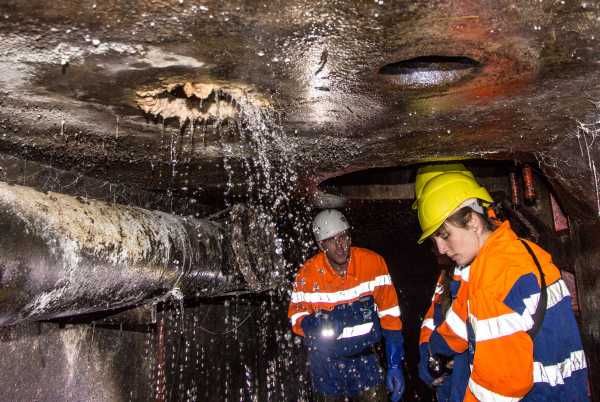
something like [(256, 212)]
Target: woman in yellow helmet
[(449, 385), (520, 333)]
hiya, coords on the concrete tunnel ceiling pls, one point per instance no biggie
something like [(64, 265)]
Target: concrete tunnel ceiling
[(353, 85), (188, 107)]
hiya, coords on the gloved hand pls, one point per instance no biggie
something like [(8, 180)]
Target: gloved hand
[(394, 351), (439, 368), (424, 374), (333, 322), (394, 381)]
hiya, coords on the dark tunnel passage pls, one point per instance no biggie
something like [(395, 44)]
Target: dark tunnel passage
[(239, 346), (379, 205)]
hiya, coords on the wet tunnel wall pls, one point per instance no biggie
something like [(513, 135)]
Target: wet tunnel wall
[(586, 249), (241, 347), (217, 350), (230, 348)]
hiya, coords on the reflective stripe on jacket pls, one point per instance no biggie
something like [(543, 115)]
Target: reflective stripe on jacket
[(453, 388), (434, 316), (320, 287), (453, 328), (429, 321), (499, 300)]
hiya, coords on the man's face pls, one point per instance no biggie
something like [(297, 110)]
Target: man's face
[(337, 248)]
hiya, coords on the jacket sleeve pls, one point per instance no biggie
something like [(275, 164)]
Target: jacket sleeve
[(299, 305), (450, 336), (428, 324), (503, 360), (386, 299)]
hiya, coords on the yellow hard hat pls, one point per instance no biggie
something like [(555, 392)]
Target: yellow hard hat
[(428, 172), (442, 195)]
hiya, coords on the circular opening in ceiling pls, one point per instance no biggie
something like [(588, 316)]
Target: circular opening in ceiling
[(429, 71)]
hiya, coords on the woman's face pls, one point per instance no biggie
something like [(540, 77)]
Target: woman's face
[(461, 245)]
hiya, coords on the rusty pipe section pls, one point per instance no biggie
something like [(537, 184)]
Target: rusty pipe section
[(61, 255), (529, 184)]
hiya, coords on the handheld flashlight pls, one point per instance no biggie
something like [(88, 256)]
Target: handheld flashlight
[(328, 330)]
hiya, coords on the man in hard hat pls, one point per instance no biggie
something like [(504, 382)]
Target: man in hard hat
[(521, 335), (343, 301)]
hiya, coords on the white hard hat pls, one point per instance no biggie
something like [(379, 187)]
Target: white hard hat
[(328, 223)]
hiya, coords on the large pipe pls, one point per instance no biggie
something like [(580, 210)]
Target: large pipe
[(61, 255)]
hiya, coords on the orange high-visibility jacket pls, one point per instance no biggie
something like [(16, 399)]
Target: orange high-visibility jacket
[(319, 287), (460, 275), (498, 303), (427, 326)]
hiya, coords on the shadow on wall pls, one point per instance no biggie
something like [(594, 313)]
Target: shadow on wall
[(210, 350), (391, 229)]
